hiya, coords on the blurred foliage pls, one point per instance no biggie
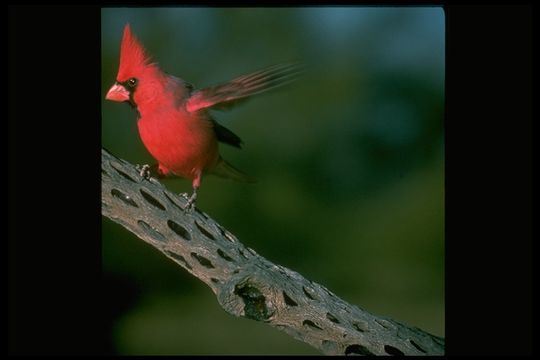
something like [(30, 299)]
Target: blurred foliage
[(350, 162)]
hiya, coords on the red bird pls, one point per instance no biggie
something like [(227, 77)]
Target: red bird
[(174, 121)]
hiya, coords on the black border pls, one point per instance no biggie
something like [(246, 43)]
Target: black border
[(53, 172), (489, 180)]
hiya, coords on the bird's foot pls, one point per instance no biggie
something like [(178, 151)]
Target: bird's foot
[(144, 170), (191, 201), (186, 195)]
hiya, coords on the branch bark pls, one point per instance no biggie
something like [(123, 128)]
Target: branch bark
[(245, 283)]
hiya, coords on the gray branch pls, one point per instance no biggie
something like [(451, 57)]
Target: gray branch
[(245, 283)]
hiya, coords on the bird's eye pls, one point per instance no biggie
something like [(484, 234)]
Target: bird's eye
[(132, 82)]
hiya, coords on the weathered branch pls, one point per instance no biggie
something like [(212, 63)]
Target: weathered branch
[(245, 283)]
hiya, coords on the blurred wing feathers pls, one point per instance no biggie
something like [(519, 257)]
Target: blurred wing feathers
[(226, 95)]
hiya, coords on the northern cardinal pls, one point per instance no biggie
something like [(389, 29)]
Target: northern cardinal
[(174, 121)]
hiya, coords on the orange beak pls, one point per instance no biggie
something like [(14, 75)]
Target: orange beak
[(117, 93)]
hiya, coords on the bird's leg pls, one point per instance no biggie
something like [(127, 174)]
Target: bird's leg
[(144, 170), (191, 200), (195, 183)]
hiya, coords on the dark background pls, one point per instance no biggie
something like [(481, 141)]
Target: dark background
[(350, 163)]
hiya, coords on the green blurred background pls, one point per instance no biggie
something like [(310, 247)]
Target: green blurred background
[(350, 162)]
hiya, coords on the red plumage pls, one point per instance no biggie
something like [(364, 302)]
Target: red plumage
[(133, 57), (174, 120)]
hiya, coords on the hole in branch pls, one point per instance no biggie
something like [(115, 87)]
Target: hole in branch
[(438, 340), (179, 230), (254, 302), (417, 346), (224, 255), (382, 323), (226, 234), (358, 350), (153, 233), (202, 260), (390, 350), (288, 300), (152, 200), (311, 324), (359, 327), (332, 318), (125, 198), (179, 258), (204, 231)]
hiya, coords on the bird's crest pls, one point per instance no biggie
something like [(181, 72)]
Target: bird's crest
[(133, 56)]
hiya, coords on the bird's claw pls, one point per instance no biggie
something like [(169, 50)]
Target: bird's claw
[(144, 171), (190, 205)]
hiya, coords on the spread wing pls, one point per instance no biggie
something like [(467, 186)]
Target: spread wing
[(226, 95)]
